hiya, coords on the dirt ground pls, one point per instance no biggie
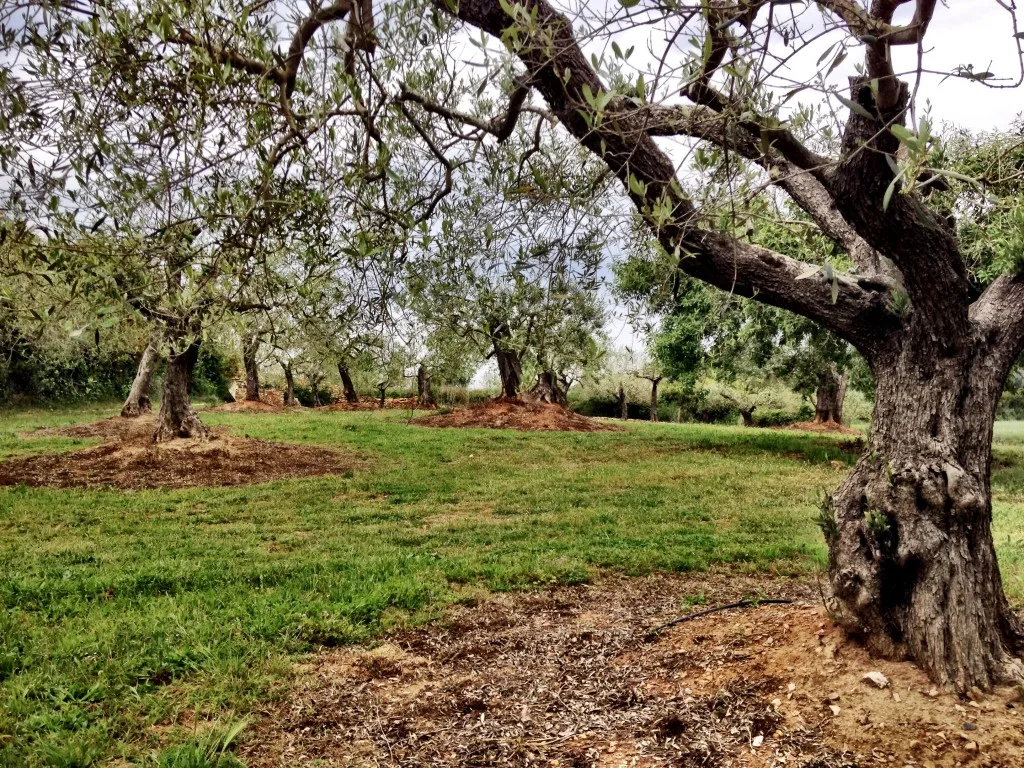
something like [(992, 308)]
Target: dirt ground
[(570, 677), (254, 406), (366, 404), (129, 459), (825, 426), (518, 415)]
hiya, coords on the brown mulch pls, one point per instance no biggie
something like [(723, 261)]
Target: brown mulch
[(129, 459), (365, 404), (253, 406), (570, 678), (519, 415), (830, 427)]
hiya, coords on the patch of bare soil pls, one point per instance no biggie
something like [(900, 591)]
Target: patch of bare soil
[(832, 427), (391, 403), (571, 677), (519, 415), (129, 459)]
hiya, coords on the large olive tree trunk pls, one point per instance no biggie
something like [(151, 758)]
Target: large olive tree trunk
[(620, 397), (510, 369), (655, 380), (424, 393), (911, 557), (138, 402), (547, 390), (250, 349), (829, 398), (289, 384), (176, 418), (346, 382)]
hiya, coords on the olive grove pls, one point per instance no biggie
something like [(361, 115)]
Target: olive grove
[(642, 87)]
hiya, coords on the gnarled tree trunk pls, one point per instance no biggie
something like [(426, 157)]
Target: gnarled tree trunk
[(289, 385), (510, 369), (252, 368), (314, 384), (346, 383), (424, 394), (829, 398), (911, 558), (382, 390), (620, 396), (654, 397), (176, 418), (547, 390), (138, 402), (748, 415)]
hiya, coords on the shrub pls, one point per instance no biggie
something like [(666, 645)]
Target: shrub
[(777, 417), (213, 374), (305, 396), (33, 374), (1011, 405)]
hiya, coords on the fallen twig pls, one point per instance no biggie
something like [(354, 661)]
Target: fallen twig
[(716, 609)]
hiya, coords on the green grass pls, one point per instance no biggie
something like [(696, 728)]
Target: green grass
[(120, 611)]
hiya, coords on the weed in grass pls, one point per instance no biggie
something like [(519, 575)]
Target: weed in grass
[(210, 751)]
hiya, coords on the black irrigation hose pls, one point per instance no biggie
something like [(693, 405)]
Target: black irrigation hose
[(716, 609)]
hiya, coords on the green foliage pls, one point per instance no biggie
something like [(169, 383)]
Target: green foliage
[(989, 216), (826, 520), (30, 373), (214, 373), (775, 417), (306, 396)]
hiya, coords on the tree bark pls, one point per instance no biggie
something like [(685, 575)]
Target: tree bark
[(748, 415), (829, 398), (346, 383), (289, 385), (177, 419), (424, 394), (382, 388), (510, 369), (547, 390), (654, 398), (138, 401), (911, 558), (620, 396), (314, 384), (252, 370)]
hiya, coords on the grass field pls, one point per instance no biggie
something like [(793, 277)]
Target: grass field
[(122, 611)]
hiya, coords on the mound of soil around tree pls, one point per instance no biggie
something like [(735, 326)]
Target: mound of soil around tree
[(517, 414), (573, 677), (253, 406), (365, 404), (129, 459), (831, 427)]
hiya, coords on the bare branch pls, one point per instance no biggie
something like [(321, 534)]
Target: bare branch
[(501, 126)]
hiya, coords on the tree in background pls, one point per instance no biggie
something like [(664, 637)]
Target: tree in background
[(521, 289)]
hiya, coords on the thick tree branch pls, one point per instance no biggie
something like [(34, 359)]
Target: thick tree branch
[(802, 186), (919, 241), (562, 73), (999, 316)]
